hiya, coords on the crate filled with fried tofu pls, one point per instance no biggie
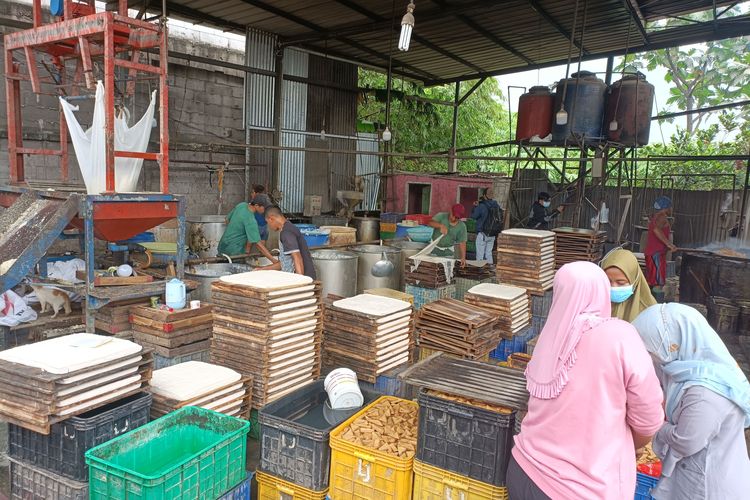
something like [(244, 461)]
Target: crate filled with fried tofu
[(372, 453)]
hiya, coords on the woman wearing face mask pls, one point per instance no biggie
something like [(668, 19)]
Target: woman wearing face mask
[(630, 293), (594, 399), (707, 399)]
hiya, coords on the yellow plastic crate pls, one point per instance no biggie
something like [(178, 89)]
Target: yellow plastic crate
[(272, 488), (360, 473), (393, 294), (387, 227), (431, 483)]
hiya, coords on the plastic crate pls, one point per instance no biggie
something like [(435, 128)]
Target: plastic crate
[(63, 450), (273, 488), (30, 483), (191, 453), (431, 482), (643, 486), (463, 285), (423, 219), (537, 323), (254, 432), (468, 440), (387, 235), (241, 491), (294, 436), (359, 473), (530, 345), (163, 362), (471, 225), (391, 217), (424, 296)]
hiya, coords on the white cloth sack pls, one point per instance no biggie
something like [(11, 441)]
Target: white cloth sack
[(13, 310), (90, 151)]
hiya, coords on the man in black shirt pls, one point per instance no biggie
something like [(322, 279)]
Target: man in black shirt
[(294, 256), (541, 215)]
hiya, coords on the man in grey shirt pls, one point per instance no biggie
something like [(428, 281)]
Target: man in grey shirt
[(294, 256)]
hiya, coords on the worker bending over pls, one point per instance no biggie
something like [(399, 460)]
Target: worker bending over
[(242, 232), (453, 230), (294, 256)]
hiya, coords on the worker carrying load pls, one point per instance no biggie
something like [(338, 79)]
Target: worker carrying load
[(541, 215), (294, 255), (453, 232)]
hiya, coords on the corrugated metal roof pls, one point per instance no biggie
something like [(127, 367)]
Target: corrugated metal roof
[(465, 39)]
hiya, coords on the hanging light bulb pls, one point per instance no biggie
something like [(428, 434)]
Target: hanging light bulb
[(561, 117), (407, 26), (386, 134), (322, 134), (613, 126)]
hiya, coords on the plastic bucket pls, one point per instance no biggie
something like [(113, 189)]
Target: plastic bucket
[(343, 389)]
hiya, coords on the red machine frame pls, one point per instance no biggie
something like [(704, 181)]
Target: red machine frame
[(83, 35)]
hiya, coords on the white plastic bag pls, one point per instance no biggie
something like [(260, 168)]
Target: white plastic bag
[(13, 310), (89, 145)]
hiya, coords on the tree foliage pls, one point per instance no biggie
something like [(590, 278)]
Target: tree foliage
[(419, 124)]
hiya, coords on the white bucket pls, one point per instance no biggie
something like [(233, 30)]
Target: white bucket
[(343, 389)]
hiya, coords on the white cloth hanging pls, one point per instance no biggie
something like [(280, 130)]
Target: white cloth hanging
[(90, 150)]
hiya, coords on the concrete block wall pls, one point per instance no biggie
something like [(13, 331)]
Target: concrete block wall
[(205, 105)]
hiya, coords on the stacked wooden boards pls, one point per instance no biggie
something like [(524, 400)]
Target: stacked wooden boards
[(267, 324), (428, 271), (526, 258), (574, 244), (476, 270), (49, 381), (510, 304), (369, 334), (114, 318), (457, 328), (172, 333), (195, 383)]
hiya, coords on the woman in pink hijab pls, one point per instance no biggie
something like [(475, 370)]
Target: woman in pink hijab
[(595, 398)]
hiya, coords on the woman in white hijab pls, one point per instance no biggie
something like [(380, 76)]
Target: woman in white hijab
[(707, 399)]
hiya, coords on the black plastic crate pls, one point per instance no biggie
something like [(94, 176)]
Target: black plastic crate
[(471, 441), (32, 483), (62, 451), (294, 435)]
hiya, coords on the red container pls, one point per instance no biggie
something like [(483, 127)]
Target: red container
[(652, 469), (421, 218), (535, 113)]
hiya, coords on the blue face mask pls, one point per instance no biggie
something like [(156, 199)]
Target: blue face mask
[(619, 294), (546, 204)]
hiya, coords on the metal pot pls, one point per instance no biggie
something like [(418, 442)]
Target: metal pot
[(205, 233), (337, 271), (368, 256), (205, 274), (408, 249), (368, 228)]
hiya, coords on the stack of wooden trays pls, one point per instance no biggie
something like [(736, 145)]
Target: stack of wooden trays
[(173, 334), (429, 271), (510, 304), (476, 270), (195, 383), (526, 258), (369, 334), (578, 244), (53, 380), (114, 318), (267, 324), (457, 328)]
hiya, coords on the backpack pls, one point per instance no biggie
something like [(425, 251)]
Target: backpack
[(493, 224)]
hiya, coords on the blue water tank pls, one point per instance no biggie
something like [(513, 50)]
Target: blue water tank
[(57, 7), (584, 103)]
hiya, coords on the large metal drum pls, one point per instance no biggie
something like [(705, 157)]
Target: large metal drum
[(205, 274), (584, 103), (205, 233), (337, 271), (408, 249), (368, 256), (368, 228)]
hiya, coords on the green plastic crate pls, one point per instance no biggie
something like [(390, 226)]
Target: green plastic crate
[(471, 225), (254, 425), (192, 453)]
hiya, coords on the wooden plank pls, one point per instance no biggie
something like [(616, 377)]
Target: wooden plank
[(171, 326), (166, 316)]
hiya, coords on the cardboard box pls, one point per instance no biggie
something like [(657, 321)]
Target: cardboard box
[(312, 204)]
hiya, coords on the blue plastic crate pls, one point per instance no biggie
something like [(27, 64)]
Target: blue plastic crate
[(424, 296), (241, 491), (540, 304), (391, 217), (501, 353), (643, 486)]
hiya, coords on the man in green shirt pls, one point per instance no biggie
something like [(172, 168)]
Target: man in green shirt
[(242, 232), (453, 230)]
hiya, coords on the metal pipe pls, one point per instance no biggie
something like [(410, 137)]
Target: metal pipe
[(454, 130)]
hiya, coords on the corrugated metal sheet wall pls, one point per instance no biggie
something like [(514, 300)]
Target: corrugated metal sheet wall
[(369, 168), (306, 110)]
